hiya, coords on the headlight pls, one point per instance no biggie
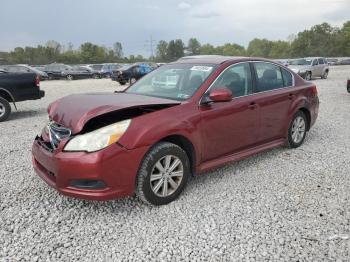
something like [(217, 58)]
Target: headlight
[(98, 139)]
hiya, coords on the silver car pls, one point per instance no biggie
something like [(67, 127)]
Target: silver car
[(310, 67)]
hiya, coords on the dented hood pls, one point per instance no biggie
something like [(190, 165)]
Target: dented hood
[(74, 111)]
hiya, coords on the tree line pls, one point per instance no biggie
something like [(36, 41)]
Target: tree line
[(320, 40)]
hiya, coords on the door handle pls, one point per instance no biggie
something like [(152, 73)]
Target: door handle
[(252, 105), (291, 96)]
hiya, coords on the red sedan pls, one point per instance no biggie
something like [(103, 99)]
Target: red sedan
[(184, 118)]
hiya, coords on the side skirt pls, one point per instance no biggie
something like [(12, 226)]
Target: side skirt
[(206, 166)]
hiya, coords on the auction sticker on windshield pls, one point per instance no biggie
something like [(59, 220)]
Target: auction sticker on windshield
[(202, 68)]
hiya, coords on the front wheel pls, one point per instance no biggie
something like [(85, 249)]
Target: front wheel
[(297, 130), (70, 77), (5, 109), (308, 76), (163, 174), (132, 80)]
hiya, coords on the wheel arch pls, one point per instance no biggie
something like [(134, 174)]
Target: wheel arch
[(186, 145), (6, 95), (308, 116)]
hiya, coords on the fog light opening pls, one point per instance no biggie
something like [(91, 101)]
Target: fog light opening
[(88, 184)]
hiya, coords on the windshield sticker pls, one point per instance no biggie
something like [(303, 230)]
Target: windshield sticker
[(183, 96), (202, 68)]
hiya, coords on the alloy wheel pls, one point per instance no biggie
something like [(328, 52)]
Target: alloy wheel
[(2, 110), (298, 129), (166, 175)]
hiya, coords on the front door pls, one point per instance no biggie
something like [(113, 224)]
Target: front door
[(228, 127)]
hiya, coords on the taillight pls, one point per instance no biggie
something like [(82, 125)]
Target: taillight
[(314, 90), (37, 81)]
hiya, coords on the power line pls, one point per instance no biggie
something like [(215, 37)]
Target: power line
[(150, 44)]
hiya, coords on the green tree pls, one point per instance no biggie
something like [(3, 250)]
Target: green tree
[(207, 49), (194, 47), (162, 51), (259, 47)]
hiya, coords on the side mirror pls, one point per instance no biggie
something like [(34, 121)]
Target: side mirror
[(220, 95)]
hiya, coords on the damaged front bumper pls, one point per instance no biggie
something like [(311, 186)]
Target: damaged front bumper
[(103, 175)]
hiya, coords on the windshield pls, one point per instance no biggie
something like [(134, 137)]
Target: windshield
[(176, 81), (301, 62)]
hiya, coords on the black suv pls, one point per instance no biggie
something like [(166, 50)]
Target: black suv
[(25, 69), (131, 73), (54, 71)]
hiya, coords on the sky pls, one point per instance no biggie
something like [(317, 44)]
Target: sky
[(134, 22)]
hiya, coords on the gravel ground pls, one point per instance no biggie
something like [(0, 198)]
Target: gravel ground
[(283, 205)]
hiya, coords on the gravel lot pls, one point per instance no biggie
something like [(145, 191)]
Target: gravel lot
[(283, 205)]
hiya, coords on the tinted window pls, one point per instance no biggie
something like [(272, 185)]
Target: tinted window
[(287, 78), (269, 77), (237, 78), (320, 61)]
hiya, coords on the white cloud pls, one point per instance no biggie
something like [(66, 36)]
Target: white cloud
[(183, 6)]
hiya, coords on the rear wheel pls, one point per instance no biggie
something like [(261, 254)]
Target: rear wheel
[(325, 75), (297, 130), (70, 77), (5, 109), (163, 174)]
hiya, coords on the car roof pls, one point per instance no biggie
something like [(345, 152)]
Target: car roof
[(216, 59)]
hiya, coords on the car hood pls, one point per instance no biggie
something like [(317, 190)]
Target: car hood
[(74, 111)]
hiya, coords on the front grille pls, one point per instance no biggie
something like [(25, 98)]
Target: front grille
[(57, 133)]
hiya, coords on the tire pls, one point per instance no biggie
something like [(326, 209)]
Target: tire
[(95, 76), (325, 75), (122, 83), (308, 76), (297, 130), (50, 77), (348, 88), (70, 77), (5, 109), (132, 80), (156, 184)]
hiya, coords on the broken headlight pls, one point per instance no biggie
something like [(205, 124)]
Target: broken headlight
[(98, 139)]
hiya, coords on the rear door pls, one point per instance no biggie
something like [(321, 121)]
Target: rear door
[(229, 127), (273, 95)]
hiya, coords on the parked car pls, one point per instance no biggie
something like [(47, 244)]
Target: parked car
[(310, 67), (344, 62), (332, 61), (348, 86), (284, 62), (78, 72), (54, 71), (95, 69), (17, 87), (151, 139), (25, 69), (131, 73), (108, 69)]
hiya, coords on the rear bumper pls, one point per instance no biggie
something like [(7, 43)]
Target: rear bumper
[(115, 166)]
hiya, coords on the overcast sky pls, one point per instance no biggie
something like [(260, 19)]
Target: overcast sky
[(132, 22)]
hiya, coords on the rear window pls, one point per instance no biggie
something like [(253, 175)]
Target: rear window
[(287, 78), (269, 77)]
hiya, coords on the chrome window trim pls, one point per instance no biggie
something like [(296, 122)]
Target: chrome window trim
[(254, 93)]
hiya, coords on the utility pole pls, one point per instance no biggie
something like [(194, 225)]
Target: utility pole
[(150, 44)]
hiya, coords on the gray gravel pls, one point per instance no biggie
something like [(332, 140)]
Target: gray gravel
[(283, 205)]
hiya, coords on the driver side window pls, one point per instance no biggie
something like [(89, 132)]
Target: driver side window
[(237, 78)]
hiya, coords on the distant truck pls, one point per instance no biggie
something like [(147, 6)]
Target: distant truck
[(17, 87), (310, 67)]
